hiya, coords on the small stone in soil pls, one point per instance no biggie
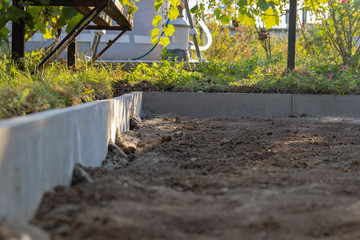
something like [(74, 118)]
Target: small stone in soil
[(127, 143), (115, 158), (226, 140), (80, 176), (62, 230), (135, 123), (166, 138)]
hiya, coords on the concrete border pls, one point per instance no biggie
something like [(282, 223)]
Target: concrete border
[(326, 105), (223, 105), (38, 151), (228, 105)]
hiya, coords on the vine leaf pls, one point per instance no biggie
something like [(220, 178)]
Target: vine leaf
[(164, 41), (72, 22), (4, 31), (154, 35), (194, 9), (158, 4), (156, 20), (217, 13), (247, 19), (173, 13), (263, 5), (48, 33), (124, 2), (270, 18), (169, 30), (175, 3)]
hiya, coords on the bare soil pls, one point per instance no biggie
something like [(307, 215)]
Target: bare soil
[(292, 178)]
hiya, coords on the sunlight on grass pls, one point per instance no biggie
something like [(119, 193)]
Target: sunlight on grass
[(236, 63), (55, 87)]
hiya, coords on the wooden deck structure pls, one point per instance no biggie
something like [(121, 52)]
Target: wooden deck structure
[(105, 14)]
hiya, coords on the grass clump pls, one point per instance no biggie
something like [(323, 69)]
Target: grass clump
[(22, 93), (164, 75), (251, 75)]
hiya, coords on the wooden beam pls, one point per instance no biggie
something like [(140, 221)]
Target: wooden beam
[(114, 9), (84, 22), (71, 3), (102, 19), (102, 27), (109, 44), (71, 55), (18, 42), (118, 13)]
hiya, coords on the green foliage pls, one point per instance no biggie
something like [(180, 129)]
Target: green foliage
[(48, 20), (164, 75), (247, 11), (51, 20), (39, 18), (238, 63), (242, 43), (339, 27), (55, 87), (160, 34)]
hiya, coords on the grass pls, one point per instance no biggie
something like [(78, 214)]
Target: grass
[(235, 64), (252, 75), (22, 93), (56, 87)]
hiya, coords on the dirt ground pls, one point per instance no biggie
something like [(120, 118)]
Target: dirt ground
[(290, 178)]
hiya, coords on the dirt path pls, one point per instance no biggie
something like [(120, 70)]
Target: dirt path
[(219, 179)]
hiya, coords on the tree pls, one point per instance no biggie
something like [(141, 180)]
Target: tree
[(340, 26)]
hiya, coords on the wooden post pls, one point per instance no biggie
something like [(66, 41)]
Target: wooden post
[(71, 56), (18, 42), (292, 35)]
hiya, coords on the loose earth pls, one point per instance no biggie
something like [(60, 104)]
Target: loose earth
[(290, 178)]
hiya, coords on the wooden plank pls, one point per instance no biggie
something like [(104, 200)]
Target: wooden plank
[(108, 45), (18, 42), (118, 13), (71, 3), (102, 19), (102, 27), (114, 9), (71, 55), (84, 22)]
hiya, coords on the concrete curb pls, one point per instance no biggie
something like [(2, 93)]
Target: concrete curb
[(228, 105), (38, 151), (326, 105)]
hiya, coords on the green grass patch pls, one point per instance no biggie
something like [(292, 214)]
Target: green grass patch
[(251, 75), (22, 93)]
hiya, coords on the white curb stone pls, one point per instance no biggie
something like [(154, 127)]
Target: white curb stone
[(39, 151)]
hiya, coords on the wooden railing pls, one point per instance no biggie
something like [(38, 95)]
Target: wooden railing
[(105, 14)]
